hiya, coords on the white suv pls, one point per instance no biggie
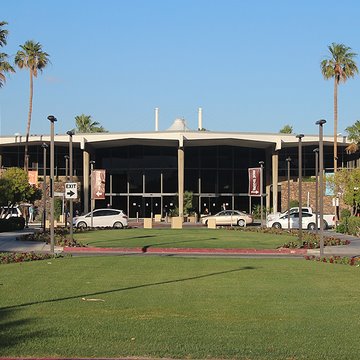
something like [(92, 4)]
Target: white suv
[(6, 212), (102, 218)]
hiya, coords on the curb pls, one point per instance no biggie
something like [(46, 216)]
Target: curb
[(144, 250)]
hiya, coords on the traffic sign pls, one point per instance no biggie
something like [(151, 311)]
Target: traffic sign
[(71, 191)]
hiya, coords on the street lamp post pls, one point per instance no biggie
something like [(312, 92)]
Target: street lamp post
[(321, 183), (261, 163), (52, 120), (71, 210), (92, 162), (300, 136), (288, 161), (316, 151), (44, 146)]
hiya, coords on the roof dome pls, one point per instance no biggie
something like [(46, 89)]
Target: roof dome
[(178, 125)]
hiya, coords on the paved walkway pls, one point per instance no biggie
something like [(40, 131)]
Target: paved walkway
[(10, 242)]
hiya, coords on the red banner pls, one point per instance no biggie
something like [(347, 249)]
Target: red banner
[(254, 181), (98, 184)]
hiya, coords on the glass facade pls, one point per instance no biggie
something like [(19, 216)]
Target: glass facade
[(143, 179)]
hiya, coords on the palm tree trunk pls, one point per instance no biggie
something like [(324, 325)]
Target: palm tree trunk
[(335, 121), (26, 159)]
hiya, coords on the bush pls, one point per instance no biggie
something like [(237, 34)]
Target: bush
[(354, 225), (345, 213), (294, 203), (7, 258)]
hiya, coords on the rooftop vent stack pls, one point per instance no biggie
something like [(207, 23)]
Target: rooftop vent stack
[(156, 119), (200, 119)]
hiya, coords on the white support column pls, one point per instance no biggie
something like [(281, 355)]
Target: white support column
[(86, 172), (275, 177), (181, 180)]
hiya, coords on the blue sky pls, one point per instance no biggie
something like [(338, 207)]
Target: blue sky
[(253, 66)]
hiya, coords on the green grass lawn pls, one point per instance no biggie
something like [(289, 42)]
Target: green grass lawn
[(183, 238), (180, 308)]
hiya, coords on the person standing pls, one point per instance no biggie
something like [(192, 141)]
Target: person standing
[(31, 213)]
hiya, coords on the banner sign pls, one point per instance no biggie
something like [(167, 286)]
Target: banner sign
[(33, 177), (98, 184), (254, 181)]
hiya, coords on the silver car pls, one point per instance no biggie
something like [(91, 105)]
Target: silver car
[(229, 217), (102, 218)]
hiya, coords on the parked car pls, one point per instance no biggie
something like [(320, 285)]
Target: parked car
[(329, 219), (6, 212), (308, 221), (229, 217), (102, 218)]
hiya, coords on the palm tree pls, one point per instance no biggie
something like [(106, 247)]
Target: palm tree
[(340, 66), (5, 67), (3, 33), (354, 136), (84, 124), (31, 57)]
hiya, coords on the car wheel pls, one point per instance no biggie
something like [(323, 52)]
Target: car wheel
[(276, 225), (82, 225), (311, 226), (241, 222), (118, 225)]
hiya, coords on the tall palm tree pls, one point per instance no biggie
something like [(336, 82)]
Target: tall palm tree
[(340, 66), (31, 57), (5, 67), (84, 124)]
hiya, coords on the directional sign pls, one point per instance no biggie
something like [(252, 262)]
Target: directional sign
[(254, 181), (71, 191)]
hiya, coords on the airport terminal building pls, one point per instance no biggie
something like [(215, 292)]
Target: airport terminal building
[(148, 173)]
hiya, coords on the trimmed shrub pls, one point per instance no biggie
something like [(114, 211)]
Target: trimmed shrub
[(354, 225)]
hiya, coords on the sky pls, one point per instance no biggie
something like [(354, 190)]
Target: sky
[(252, 66)]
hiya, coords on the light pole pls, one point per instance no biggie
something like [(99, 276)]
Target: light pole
[(44, 146), (288, 161), (316, 151), (52, 120), (71, 210), (92, 162), (300, 136), (66, 157), (261, 163), (321, 185)]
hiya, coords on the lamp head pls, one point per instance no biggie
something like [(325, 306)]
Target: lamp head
[(316, 150), (300, 136), (66, 157), (288, 159), (70, 132), (321, 122), (261, 163), (52, 118), (44, 145)]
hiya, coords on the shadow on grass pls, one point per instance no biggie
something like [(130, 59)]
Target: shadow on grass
[(21, 326), (117, 241), (128, 288), (146, 247)]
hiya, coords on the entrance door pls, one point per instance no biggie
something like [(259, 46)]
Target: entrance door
[(151, 206)]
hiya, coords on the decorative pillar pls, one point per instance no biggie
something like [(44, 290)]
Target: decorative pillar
[(86, 171), (181, 178)]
